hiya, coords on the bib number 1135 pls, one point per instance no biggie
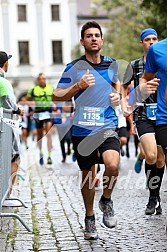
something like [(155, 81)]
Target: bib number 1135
[(91, 116)]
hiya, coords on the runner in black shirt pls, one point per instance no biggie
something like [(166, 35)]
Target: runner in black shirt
[(144, 121)]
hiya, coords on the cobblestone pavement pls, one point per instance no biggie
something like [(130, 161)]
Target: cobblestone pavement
[(55, 210)]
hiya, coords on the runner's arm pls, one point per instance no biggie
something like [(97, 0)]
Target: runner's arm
[(60, 94), (148, 83)]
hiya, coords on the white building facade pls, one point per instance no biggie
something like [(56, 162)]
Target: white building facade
[(40, 35)]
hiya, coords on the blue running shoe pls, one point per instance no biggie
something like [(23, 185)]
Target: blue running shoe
[(108, 213), (138, 165), (74, 157), (41, 161)]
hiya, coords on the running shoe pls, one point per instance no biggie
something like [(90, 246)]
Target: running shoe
[(90, 232), (74, 157), (108, 213), (49, 161), (158, 208), (151, 206), (41, 160), (138, 165)]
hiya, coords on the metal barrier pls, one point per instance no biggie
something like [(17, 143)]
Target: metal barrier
[(5, 163)]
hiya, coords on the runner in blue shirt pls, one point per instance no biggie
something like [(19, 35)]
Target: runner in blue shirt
[(157, 63), (93, 82), (145, 125)]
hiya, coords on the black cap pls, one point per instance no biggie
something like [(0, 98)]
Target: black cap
[(4, 57)]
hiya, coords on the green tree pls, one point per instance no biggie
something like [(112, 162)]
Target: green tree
[(126, 20), (157, 17)]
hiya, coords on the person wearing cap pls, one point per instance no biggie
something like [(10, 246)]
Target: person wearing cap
[(7, 97), (8, 101), (145, 125)]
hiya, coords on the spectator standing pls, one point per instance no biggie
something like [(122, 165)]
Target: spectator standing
[(8, 101)]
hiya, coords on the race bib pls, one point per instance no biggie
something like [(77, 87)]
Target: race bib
[(91, 116), (43, 115), (151, 111)]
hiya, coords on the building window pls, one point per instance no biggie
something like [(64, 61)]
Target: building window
[(57, 52), (55, 12), (22, 13), (23, 52)]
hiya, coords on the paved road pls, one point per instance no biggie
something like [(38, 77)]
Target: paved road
[(55, 210)]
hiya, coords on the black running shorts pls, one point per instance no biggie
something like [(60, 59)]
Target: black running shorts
[(89, 149), (161, 136), (145, 127)]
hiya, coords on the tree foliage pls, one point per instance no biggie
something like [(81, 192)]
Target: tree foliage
[(126, 20), (157, 17)]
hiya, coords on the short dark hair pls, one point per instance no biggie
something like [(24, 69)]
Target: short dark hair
[(3, 58), (91, 24)]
